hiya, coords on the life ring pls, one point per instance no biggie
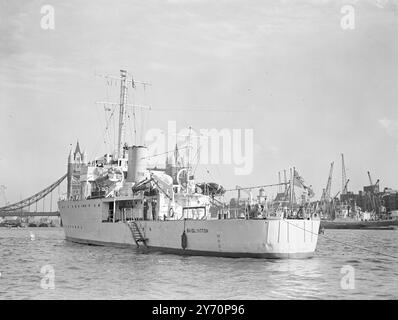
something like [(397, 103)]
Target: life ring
[(184, 240), (300, 215), (171, 213), (181, 183)]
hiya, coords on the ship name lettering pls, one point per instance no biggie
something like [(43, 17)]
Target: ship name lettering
[(193, 230)]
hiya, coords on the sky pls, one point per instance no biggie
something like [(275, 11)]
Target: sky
[(307, 88)]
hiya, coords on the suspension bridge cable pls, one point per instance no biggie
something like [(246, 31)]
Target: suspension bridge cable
[(33, 199)]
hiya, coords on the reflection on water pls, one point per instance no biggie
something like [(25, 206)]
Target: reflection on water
[(93, 272)]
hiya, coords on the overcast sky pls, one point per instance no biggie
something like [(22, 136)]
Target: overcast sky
[(309, 89)]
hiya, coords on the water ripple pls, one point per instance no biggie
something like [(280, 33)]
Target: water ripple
[(93, 272)]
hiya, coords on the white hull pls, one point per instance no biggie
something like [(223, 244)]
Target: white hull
[(265, 238)]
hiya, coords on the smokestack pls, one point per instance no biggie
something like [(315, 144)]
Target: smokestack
[(137, 165)]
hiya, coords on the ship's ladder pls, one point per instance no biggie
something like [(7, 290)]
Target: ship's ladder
[(136, 233)]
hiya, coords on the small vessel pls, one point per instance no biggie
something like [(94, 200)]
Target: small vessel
[(11, 223), (119, 200), (344, 213), (358, 224), (353, 217)]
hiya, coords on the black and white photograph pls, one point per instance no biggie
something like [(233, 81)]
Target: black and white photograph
[(198, 150)]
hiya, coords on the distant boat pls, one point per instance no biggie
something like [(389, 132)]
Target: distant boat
[(10, 223), (357, 224)]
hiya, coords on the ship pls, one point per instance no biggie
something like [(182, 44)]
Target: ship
[(119, 200), (376, 209)]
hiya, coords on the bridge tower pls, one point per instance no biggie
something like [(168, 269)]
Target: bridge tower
[(75, 161), (69, 175)]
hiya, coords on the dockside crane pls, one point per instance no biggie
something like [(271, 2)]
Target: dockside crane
[(326, 191), (326, 199), (345, 187), (374, 187), (344, 180), (370, 179), (373, 195)]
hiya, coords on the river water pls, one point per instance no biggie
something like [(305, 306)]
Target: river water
[(74, 271)]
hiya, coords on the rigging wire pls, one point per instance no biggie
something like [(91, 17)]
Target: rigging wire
[(142, 114), (210, 174), (102, 136), (107, 145), (141, 124), (108, 123), (106, 133), (145, 123), (198, 159), (159, 154), (134, 120), (129, 125), (114, 130)]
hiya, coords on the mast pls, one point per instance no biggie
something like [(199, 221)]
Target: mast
[(123, 105), (122, 109)]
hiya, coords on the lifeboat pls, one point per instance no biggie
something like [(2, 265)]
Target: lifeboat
[(211, 188), (110, 177)]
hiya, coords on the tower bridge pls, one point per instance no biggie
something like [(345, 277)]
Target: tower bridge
[(43, 204), (29, 207)]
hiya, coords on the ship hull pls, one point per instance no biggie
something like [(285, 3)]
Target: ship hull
[(189, 252), (257, 238)]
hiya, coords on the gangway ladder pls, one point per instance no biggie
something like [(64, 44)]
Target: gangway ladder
[(136, 233)]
